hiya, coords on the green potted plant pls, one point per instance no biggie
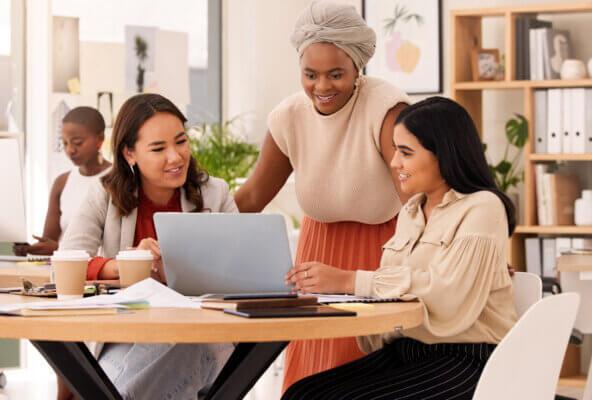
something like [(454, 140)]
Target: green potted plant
[(505, 172), (221, 151), (141, 48)]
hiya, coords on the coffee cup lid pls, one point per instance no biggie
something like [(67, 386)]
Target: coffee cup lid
[(134, 255), (70, 255)]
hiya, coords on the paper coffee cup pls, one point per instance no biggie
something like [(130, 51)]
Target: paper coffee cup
[(134, 266), (69, 271)]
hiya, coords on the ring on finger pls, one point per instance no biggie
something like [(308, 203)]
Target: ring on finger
[(306, 274)]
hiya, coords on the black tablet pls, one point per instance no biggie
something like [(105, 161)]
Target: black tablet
[(292, 312)]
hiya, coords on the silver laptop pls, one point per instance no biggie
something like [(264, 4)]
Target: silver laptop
[(224, 253)]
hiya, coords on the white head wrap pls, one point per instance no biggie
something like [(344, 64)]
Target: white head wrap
[(336, 23)]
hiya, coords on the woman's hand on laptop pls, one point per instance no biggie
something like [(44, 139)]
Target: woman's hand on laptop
[(158, 271), (316, 277)]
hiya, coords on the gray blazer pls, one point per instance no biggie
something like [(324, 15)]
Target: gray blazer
[(98, 224)]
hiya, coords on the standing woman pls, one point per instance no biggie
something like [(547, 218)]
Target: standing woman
[(336, 136), (83, 132)]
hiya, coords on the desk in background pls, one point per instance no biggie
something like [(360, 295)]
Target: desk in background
[(10, 276), (60, 339)]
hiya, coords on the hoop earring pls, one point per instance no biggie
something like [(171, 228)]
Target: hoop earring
[(132, 168)]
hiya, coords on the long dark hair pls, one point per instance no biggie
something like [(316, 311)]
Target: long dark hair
[(121, 182), (445, 128)]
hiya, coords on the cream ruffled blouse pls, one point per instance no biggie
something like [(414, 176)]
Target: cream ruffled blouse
[(455, 264)]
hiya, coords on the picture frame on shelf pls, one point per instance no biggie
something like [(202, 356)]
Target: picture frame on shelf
[(408, 43), (485, 64)]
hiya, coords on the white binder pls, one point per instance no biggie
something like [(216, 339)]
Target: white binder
[(567, 128), (540, 121), (554, 120), (578, 120), (549, 254), (534, 257), (588, 125)]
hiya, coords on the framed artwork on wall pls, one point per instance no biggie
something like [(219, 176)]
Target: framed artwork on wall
[(408, 43)]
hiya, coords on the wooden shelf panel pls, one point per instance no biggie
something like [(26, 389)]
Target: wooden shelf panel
[(529, 9), (578, 381), (554, 230), (560, 157), (500, 85)]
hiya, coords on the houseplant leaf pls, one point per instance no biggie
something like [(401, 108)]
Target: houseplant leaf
[(517, 130)]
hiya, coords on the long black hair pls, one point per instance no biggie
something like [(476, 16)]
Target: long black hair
[(446, 129)]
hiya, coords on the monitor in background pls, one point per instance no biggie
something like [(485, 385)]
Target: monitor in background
[(13, 227)]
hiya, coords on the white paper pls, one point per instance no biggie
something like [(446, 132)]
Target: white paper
[(154, 293)]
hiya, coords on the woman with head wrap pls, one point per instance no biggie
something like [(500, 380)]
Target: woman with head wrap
[(336, 136)]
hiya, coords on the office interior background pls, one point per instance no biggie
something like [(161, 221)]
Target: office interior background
[(222, 60)]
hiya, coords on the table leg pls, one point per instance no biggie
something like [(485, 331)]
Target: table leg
[(77, 366), (244, 367)]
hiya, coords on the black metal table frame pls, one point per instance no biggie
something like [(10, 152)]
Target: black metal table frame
[(74, 363)]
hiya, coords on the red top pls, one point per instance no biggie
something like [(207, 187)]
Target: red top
[(144, 228)]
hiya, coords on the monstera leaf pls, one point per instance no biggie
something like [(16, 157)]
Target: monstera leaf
[(505, 171)]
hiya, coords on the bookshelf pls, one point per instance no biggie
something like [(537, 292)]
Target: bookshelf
[(467, 26), (466, 33)]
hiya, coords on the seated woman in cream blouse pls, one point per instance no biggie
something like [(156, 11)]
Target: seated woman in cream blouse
[(449, 251)]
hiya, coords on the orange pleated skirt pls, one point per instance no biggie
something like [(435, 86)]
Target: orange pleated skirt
[(346, 245)]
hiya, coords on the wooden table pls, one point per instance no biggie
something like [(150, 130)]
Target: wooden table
[(11, 274), (60, 339)]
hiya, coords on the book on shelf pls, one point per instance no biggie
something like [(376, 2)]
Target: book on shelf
[(524, 23), (556, 193), (214, 303), (564, 190), (548, 48)]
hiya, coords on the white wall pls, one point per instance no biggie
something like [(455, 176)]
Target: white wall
[(261, 67)]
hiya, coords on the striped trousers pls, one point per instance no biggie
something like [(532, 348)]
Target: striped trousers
[(405, 369)]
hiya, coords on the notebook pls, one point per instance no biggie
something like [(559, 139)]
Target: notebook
[(250, 304), (347, 298), (292, 312)]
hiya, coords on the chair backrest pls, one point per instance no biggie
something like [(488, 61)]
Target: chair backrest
[(528, 289), (526, 363), (588, 387)]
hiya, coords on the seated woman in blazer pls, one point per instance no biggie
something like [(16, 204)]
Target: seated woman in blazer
[(449, 251), (153, 171)]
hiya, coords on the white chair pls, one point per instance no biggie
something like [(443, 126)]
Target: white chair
[(526, 363), (588, 388)]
